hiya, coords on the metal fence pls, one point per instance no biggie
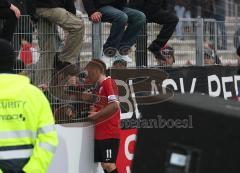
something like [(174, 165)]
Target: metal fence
[(189, 40), (37, 44), (232, 8)]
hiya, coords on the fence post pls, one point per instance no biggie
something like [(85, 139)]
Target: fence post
[(199, 42), (96, 40), (141, 48)]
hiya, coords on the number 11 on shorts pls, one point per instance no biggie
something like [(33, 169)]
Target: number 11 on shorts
[(109, 153)]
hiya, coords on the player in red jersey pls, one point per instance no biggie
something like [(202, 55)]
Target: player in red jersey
[(106, 114)]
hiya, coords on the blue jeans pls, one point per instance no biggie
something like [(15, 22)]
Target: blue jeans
[(122, 38)]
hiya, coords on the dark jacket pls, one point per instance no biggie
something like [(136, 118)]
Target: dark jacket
[(47, 3), (4, 4), (21, 5), (31, 6), (67, 4), (207, 8), (92, 6), (149, 6)]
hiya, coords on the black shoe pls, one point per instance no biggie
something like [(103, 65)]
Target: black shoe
[(59, 65), (62, 65), (156, 52)]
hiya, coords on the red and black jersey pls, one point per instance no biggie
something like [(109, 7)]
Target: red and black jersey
[(109, 127)]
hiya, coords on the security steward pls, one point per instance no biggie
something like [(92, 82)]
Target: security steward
[(28, 138)]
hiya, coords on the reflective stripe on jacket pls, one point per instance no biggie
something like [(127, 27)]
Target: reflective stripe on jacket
[(27, 129)]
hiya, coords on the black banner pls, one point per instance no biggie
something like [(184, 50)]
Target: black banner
[(149, 86)]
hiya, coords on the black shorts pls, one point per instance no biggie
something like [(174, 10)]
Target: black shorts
[(106, 151)]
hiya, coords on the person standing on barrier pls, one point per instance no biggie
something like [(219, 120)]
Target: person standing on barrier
[(9, 13), (24, 28), (126, 25), (238, 73), (53, 13), (28, 138), (157, 11), (106, 114), (219, 16)]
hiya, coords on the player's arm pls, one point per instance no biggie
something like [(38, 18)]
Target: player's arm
[(111, 91), (108, 110)]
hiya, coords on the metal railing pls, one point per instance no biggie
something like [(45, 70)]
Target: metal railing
[(232, 8), (188, 41)]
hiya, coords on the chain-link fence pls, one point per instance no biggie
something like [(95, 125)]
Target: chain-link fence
[(189, 42), (36, 45)]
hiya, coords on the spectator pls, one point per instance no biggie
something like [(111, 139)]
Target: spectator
[(29, 138), (10, 13), (207, 7), (182, 9), (168, 55), (156, 11), (79, 6), (119, 63), (236, 39), (219, 16), (69, 5), (121, 38), (26, 53), (52, 11), (238, 54), (210, 46), (24, 28), (210, 57), (106, 114), (238, 72), (61, 33)]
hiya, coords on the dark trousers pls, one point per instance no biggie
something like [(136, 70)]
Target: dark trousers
[(169, 21), (121, 37), (9, 24)]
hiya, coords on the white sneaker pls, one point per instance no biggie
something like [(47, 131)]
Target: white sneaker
[(124, 58)]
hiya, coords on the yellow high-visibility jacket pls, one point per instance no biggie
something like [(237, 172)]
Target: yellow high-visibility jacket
[(27, 129)]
